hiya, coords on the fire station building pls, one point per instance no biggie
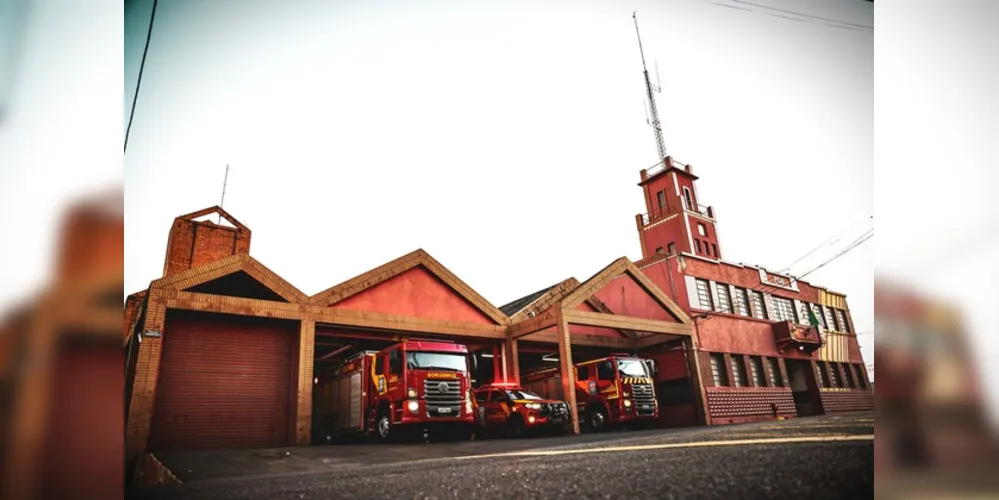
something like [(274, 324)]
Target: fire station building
[(222, 352)]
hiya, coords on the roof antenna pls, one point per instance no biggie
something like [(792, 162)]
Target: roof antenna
[(653, 115), (224, 182)]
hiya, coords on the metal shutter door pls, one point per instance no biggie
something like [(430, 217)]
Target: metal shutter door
[(225, 382)]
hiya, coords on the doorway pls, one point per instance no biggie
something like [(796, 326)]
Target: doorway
[(804, 389)]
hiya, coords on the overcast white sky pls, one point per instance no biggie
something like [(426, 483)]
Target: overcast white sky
[(505, 138)]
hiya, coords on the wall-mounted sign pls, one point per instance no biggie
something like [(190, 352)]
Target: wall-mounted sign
[(152, 334), (768, 278)]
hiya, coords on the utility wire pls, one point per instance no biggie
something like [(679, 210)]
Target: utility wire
[(838, 24), (864, 26), (866, 236), (832, 239), (142, 65)]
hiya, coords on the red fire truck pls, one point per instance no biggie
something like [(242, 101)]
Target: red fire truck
[(415, 385), (614, 390)]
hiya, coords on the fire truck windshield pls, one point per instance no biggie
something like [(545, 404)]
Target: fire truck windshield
[(631, 368), (435, 361)]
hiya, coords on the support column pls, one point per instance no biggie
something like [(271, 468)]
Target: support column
[(499, 363), (566, 365), (696, 380), (147, 372), (302, 433), (511, 360)]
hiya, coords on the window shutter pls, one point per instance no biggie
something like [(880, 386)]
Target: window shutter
[(692, 299)]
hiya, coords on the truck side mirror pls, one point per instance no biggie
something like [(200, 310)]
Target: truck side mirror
[(653, 369), (475, 363)]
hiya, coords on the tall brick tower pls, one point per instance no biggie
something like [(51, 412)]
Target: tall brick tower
[(674, 221), (196, 242)]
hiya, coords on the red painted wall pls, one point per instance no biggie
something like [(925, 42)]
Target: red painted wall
[(664, 233), (417, 293), (625, 297), (672, 365), (591, 330)]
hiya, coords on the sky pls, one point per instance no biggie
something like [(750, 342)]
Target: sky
[(504, 138)]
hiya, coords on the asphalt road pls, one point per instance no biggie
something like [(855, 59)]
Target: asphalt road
[(819, 458)]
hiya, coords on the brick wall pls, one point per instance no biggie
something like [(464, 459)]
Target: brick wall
[(132, 304), (839, 400), (740, 404), (193, 243)]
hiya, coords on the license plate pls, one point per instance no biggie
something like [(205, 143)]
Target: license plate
[(444, 410)]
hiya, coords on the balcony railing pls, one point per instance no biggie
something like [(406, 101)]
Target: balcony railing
[(663, 165), (705, 211)]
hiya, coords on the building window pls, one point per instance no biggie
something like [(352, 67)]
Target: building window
[(834, 372), (756, 370), (697, 244), (738, 371), (830, 314), (702, 229), (861, 381), (704, 295), (848, 370), (741, 305), (718, 370), (820, 367), (784, 309), (672, 248), (659, 249), (817, 310), (759, 309), (662, 199), (803, 313), (841, 318), (773, 369), (724, 302), (714, 248), (688, 200)]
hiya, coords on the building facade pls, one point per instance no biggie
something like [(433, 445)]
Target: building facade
[(767, 343)]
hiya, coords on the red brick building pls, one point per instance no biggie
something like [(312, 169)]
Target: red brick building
[(222, 352), (757, 347)]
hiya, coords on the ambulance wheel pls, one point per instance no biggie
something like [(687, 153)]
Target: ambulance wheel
[(596, 419), (515, 428)]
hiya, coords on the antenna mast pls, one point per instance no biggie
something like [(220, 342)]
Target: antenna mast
[(224, 182), (653, 118)]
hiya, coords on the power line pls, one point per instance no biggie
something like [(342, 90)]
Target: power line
[(832, 23), (864, 26), (142, 66), (832, 239), (866, 236)]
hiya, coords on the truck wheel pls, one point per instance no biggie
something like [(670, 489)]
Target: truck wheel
[(596, 419), (383, 427), (515, 428)]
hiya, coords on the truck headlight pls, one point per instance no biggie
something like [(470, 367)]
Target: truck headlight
[(413, 406), (532, 406), (627, 403), (412, 393)]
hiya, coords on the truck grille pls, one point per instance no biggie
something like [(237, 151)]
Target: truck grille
[(443, 398), (645, 398), (556, 410)]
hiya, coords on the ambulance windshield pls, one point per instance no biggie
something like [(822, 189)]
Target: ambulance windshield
[(436, 361)]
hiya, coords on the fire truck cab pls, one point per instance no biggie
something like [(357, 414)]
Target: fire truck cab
[(514, 411), (617, 389), (415, 385)]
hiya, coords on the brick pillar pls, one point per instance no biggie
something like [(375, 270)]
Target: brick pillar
[(783, 372), (302, 434), (147, 372), (863, 373), (565, 365), (729, 372)]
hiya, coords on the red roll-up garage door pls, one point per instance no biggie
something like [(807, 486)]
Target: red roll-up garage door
[(225, 382)]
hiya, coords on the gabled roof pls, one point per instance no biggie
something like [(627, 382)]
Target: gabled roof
[(398, 266), (215, 210), (541, 300), (617, 268), (231, 265), (521, 303)]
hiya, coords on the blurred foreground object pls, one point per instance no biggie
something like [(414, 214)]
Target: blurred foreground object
[(61, 365), (932, 432)]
